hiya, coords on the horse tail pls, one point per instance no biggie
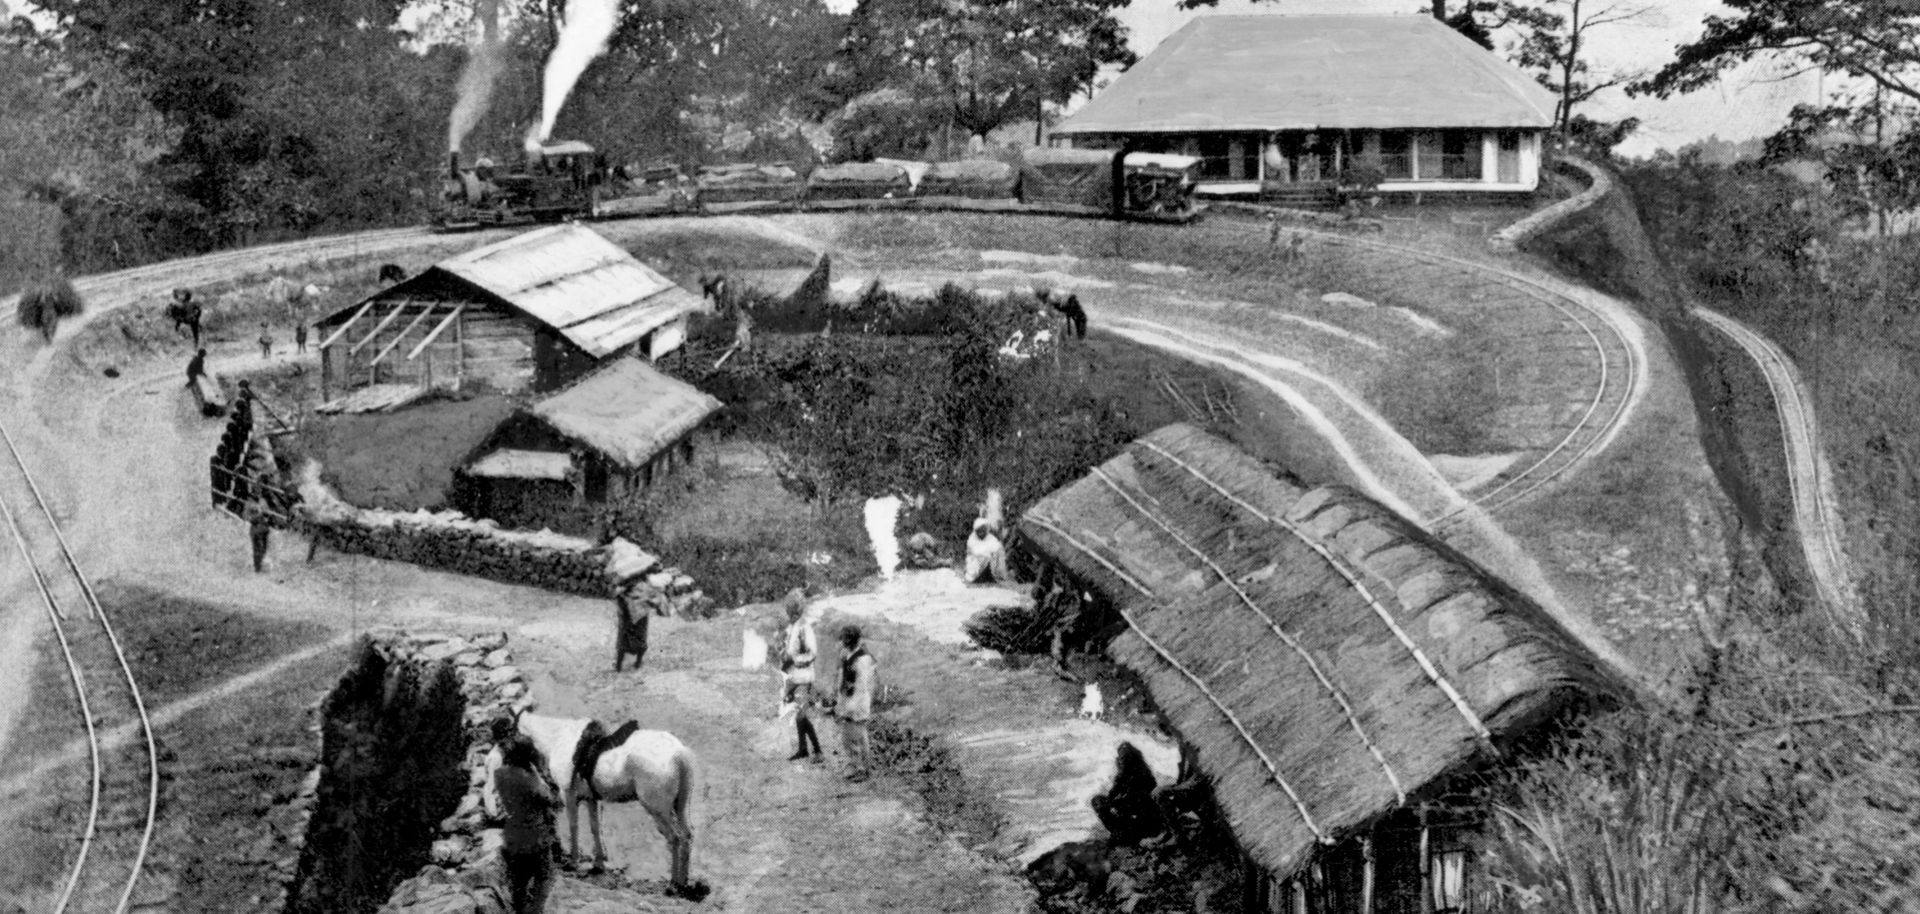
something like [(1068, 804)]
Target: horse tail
[(684, 769)]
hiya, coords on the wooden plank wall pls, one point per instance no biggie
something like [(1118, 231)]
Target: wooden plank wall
[(498, 351)]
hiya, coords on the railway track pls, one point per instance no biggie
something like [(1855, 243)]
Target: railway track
[(1809, 482), (120, 789), (1584, 426)]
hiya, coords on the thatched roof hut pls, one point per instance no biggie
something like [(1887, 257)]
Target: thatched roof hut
[(1328, 660)]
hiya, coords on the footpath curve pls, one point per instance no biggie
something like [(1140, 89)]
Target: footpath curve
[(1816, 516)]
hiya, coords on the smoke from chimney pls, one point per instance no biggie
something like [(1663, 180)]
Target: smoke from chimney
[(484, 63), (583, 37)]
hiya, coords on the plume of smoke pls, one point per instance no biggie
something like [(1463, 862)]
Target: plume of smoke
[(583, 37), (483, 67)]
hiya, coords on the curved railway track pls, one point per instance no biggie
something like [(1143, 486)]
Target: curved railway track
[(1583, 428), (1809, 483), (122, 786)]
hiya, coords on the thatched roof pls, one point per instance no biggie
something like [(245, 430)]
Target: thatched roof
[(1259, 73), (627, 411), (1327, 658)]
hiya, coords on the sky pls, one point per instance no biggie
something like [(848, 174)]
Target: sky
[(1750, 102)]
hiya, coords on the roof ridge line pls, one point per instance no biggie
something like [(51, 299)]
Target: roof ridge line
[(1326, 682), (1474, 722)]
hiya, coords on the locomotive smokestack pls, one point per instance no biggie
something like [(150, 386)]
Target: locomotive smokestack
[(453, 165)]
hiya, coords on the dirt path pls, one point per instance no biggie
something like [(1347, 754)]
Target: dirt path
[(770, 835), (1816, 515)]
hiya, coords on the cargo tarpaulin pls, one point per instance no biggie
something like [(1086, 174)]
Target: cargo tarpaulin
[(984, 179), (1078, 177), (858, 181)]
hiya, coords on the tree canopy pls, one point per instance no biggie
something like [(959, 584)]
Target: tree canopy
[(1877, 40), (988, 61)]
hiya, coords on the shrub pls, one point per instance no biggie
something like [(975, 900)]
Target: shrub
[(42, 307)]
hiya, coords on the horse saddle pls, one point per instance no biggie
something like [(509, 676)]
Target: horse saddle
[(594, 741)]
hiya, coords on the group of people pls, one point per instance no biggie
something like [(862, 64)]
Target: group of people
[(852, 703)]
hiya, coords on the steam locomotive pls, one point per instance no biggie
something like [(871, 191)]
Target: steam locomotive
[(571, 180)]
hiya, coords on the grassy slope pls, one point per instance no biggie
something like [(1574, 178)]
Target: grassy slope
[(1607, 248)]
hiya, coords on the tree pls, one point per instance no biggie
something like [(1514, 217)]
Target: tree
[(1867, 172), (75, 140), (1554, 47), (988, 61), (1876, 40)]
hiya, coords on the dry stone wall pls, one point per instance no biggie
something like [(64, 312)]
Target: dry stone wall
[(452, 541), (405, 674)]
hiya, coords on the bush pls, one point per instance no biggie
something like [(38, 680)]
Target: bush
[(42, 307)]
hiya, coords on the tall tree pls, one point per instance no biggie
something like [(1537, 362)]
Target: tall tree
[(988, 61), (1554, 46), (1876, 40), (75, 140)]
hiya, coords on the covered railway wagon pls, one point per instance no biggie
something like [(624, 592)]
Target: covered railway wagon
[(569, 180)]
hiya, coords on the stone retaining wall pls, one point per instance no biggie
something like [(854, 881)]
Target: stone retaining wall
[(454, 542), (465, 875), (1511, 237), (406, 719)]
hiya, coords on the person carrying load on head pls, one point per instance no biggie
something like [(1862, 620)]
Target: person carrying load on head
[(627, 567)]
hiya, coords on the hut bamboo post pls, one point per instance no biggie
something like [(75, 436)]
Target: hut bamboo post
[(1426, 864), (460, 351), (326, 374), (1366, 874)]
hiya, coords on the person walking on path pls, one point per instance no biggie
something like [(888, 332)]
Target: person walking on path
[(527, 835), (796, 666), (626, 569), (196, 366), (855, 705), (266, 342), (259, 529)]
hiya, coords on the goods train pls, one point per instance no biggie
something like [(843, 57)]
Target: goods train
[(571, 180)]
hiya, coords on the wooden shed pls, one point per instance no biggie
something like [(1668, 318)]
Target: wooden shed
[(607, 437), (1334, 668), (526, 315)]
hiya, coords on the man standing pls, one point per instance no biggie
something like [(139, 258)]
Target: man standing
[(526, 804), (266, 342), (855, 706), (259, 529), (300, 336), (796, 666)]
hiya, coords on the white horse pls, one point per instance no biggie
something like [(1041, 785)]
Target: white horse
[(651, 766)]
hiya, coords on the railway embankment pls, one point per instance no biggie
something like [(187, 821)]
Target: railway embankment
[(1606, 247)]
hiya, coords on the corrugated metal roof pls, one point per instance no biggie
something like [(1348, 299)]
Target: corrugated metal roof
[(1258, 73), (582, 285), (627, 410)]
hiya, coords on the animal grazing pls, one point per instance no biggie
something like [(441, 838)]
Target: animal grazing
[(1092, 704), (392, 273), (649, 766)]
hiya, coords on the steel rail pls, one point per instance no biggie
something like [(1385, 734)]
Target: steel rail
[(103, 619), (1564, 451)]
